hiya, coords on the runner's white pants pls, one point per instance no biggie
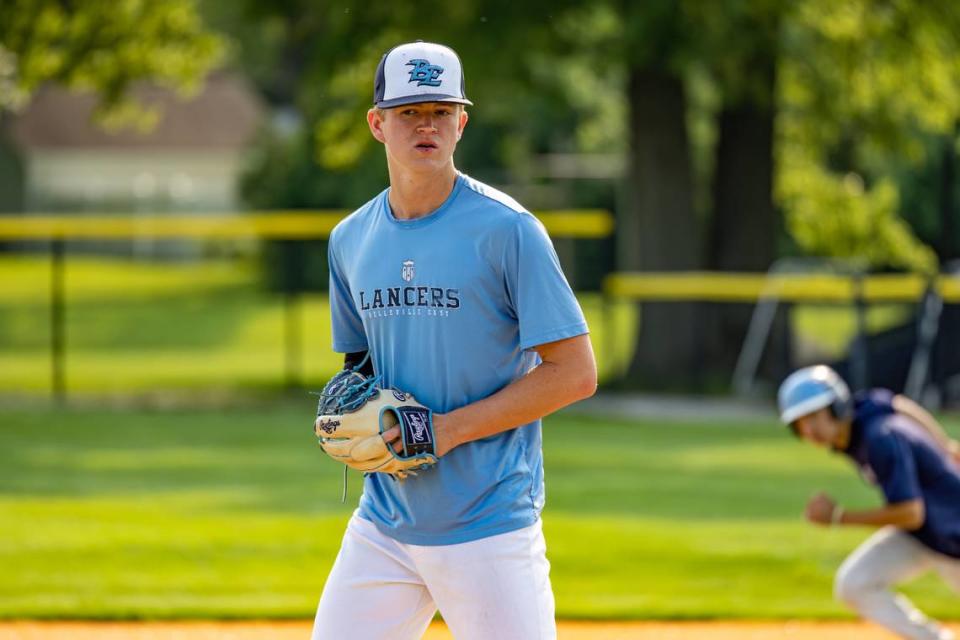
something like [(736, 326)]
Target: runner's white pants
[(890, 557), (495, 588)]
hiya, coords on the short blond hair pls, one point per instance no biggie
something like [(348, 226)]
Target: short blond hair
[(383, 112)]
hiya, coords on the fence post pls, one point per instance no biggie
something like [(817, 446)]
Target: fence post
[(293, 266), (859, 356), (58, 334)]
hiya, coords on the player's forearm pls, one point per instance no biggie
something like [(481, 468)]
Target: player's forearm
[(908, 515), (567, 374), (925, 419), (541, 392)]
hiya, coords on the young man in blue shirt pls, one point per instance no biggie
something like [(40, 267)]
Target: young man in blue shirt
[(898, 446), (455, 292)]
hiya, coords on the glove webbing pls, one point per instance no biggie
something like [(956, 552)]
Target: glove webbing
[(345, 393), (348, 390)]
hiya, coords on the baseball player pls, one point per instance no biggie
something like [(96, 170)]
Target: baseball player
[(455, 293), (900, 447)]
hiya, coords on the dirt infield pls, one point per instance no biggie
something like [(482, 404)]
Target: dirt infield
[(568, 631)]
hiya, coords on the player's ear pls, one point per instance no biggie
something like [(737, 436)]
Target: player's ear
[(375, 119), (464, 117)]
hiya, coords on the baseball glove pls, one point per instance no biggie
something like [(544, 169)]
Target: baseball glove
[(354, 410)]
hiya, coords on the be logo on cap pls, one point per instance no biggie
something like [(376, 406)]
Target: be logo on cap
[(424, 73), (419, 72)]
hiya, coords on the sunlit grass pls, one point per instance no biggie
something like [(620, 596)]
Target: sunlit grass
[(236, 513)]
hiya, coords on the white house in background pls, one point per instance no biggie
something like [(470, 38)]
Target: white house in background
[(190, 161)]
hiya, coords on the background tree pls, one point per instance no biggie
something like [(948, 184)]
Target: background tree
[(318, 151), (868, 87), (740, 51), (640, 54), (727, 114), (659, 230), (103, 46)]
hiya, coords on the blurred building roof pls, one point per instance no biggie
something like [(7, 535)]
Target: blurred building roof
[(223, 115)]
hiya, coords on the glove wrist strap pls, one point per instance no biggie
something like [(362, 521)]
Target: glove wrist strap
[(416, 425)]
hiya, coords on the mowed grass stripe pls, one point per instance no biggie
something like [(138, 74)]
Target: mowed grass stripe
[(236, 514)]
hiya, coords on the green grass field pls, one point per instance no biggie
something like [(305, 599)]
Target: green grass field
[(236, 513), (131, 513)]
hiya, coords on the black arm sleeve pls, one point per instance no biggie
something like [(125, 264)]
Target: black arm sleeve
[(350, 360)]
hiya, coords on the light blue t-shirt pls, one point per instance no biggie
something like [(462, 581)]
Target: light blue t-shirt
[(449, 305)]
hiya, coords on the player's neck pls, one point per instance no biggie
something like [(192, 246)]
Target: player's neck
[(414, 195), (842, 439)]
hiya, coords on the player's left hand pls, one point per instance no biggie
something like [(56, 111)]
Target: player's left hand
[(820, 509)]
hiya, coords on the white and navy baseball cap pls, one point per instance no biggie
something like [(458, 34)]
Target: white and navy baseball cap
[(418, 72)]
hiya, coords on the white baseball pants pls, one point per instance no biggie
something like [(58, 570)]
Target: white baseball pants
[(489, 589), (890, 557)]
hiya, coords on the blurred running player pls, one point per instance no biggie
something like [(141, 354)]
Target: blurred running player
[(900, 447)]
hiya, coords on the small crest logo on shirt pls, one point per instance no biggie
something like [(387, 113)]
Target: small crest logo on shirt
[(424, 73), (407, 272)]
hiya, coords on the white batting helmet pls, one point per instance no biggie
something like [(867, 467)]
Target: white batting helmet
[(810, 389)]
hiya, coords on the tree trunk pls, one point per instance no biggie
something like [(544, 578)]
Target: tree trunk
[(659, 230), (949, 246), (12, 177), (745, 224)]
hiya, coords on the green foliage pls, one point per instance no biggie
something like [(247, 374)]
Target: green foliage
[(325, 56), (589, 79), (863, 85), (862, 88), (734, 40), (234, 513), (835, 216), (925, 191), (284, 172), (103, 46)]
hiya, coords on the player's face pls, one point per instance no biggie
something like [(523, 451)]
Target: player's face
[(818, 427), (419, 137)]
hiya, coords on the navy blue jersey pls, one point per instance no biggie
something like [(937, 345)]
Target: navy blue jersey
[(898, 455)]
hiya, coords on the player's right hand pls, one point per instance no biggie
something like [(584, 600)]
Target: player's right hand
[(820, 509)]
